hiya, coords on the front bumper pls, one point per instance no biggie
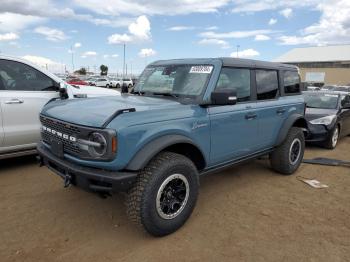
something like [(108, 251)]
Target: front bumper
[(317, 133), (87, 178)]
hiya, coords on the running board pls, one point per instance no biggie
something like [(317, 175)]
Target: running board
[(18, 154)]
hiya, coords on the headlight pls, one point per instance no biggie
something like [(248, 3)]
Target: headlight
[(98, 146), (327, 120)]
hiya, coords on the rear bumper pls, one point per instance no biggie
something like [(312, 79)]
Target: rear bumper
[(87, 178)]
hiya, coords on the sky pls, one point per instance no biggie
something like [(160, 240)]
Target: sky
[(93, 32)]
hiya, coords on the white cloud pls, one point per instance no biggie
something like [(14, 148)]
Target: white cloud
[(234, 34), (261, 38), (156, 7), (77, 45), (287, 13), (8, 37), (212, 41), (105, 56), (272, 21), (211, 28), (119, 39), (245, 53), (10, 22), (181, 28), (45, 63), (332, 28), (89, 54), (51, 34), (146, 52), (140, 30), (249, 6), (115, 55)]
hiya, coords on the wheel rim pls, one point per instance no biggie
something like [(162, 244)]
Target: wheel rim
[(335, 137), (172, 196), (295, 151)]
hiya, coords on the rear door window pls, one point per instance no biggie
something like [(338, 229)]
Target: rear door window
[(291, 82), (266, 84)]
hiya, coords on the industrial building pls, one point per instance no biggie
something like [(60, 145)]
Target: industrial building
[(329, 65)]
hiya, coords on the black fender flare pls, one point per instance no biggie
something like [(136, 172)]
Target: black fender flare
[(152, 148), (288, 123)]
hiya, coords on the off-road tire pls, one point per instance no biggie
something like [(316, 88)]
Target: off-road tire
[(280, 159), (141, 198), (329, 142)]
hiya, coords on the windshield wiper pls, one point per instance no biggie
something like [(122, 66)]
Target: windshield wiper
[(165, 94)]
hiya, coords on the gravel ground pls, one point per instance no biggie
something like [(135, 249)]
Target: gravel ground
[(246, 213)]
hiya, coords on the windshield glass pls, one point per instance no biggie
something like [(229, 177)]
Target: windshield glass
[(319, 100), (186, 80)]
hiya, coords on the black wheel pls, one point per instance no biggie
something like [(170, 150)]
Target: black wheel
[(117, 86), (107, 86), (164, 195), (130, 86), (332, 140), (287, 157)]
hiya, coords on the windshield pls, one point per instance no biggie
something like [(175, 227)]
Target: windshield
[(177, 80), (319, 100)]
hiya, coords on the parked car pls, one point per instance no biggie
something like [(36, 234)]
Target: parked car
[(328, 116), (128, 82), (77, 81), (186, 118), (116, 82), (24, 90), (102, 82)]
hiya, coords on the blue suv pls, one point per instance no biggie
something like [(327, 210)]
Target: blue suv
[(183, 119)]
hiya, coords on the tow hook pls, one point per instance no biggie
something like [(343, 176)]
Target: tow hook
[(67, 180)]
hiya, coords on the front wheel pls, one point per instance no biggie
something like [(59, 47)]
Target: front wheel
[(287, 157), (332, 140), (107, 86), (164, 195)]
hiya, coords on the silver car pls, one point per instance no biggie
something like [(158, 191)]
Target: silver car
[(24, 90)]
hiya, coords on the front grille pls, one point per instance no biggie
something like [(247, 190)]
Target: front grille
[(64, 128)]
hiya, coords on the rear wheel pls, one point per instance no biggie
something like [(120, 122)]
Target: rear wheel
[(130, 86), (164, 195), (332, 140), (287, 158), (117, 86), (107, 86)]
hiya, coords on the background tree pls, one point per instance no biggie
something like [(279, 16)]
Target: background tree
[(104, 70), (81, 71)]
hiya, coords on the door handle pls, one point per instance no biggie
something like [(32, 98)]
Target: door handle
[(14, 101), (281, 111), (250, 116)]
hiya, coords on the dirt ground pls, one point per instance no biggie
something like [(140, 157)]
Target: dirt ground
[(247, 213)]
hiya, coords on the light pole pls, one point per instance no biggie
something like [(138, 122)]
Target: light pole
[(72, 53), (124, 45), (238, 46)]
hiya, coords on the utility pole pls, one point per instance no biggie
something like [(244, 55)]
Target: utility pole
[(71, 51), (124, 60), (238, 46)]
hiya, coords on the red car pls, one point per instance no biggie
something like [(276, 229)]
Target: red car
[(77, 81)]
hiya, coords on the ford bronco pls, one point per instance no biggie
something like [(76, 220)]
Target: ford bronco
[(184, 118)]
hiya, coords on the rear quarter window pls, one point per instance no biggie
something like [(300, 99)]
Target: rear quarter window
[(266, 84)]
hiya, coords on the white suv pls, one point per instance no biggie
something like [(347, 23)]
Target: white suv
[(24, 90), (102, 82), (128, 82)]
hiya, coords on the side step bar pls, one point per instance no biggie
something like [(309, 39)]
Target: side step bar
[(18, 153)]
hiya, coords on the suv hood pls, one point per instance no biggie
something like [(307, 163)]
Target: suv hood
[(314, 113), (95, 111)]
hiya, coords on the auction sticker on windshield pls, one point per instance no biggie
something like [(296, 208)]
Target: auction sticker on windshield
[(201, 69)]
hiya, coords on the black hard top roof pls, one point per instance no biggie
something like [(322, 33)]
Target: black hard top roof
[(229, 61)]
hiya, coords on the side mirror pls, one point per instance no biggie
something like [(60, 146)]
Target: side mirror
[(346, 106), (63, 91), (224, 97)]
